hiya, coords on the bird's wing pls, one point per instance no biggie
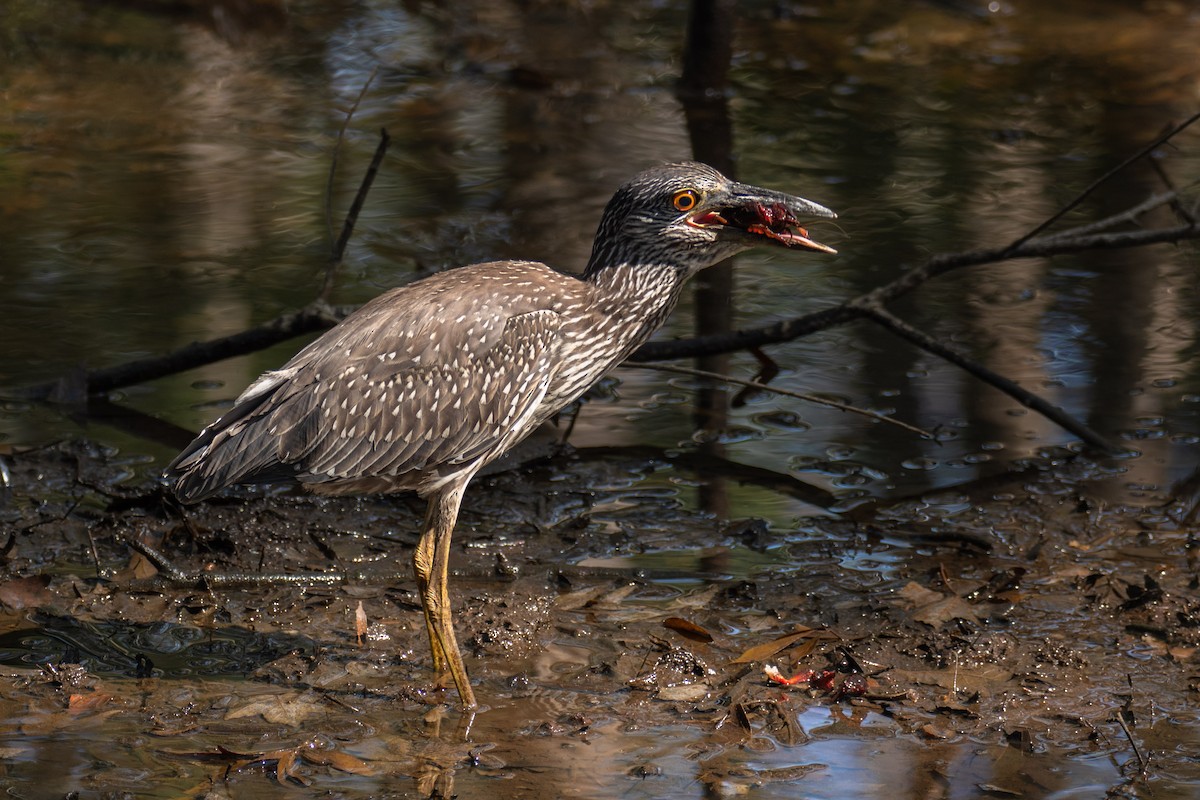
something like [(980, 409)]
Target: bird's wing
[(406, 384), (372, 421)]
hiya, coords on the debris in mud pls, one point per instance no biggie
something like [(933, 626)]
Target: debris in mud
[(289, 762), (1036, 650)]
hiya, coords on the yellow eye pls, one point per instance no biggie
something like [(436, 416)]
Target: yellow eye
[(685, 200)]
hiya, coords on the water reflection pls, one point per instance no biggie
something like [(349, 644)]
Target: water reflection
[(203, 194)]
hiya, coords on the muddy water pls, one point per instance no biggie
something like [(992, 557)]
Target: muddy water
[(165, 175)]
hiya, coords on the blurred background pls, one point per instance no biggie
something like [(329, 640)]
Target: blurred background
[(164, 168)]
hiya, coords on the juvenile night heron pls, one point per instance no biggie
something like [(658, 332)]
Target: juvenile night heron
[(427, 383)]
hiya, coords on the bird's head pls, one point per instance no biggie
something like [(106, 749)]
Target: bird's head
[(690, 216)]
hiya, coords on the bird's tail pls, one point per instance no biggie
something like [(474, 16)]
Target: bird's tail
[(233, 450)]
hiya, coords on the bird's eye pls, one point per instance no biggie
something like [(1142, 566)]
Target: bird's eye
[(685, 200)]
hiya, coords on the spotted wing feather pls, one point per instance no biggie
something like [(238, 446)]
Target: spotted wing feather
[(421, 382)]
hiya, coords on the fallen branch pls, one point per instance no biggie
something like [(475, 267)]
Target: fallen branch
[(1009, 387), (787, 330), (811, 398), (313, 317), (869, 306)]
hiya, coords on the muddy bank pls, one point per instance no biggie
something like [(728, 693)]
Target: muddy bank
[(1018, 637)]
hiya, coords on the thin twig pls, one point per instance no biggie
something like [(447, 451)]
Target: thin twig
[(1129, 215), (339, 247), (811, 398), (1079, 198), (333, 159), (1137, 751), (1011, 388), (175, 575)]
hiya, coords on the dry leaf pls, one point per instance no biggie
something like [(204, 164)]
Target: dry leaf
[(687, 692), (21, 593), (83, 703), (578, 599), (762, 652), (918, 595), (339, 761), (688, 630), (280, 710), (140, 567), (283, 764), (934, 608), (614, 598), (983, 679), (935, 614)]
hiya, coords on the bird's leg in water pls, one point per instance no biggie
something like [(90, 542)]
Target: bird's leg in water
[(431, 561)]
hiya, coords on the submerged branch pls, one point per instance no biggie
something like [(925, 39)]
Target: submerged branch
[(811, 398), (990, 377), (311, 318)]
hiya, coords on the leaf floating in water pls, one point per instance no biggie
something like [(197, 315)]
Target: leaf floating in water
[(688, 630)]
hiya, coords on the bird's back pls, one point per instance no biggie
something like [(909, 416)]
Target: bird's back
[(420, 383)]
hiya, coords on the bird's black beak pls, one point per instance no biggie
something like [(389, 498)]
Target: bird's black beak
[(764, 214)]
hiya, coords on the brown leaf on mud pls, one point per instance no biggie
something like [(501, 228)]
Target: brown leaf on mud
[(284, 760), (614, 598), (580, 598), (976, 680), (339, 761), (918, 595), (741, 717), (949, 608), (19, 594), (934, 608), (687, 629), (280, 710), (139, 567), (762, 652), (287, 760), (1181, 653), (83, 703)]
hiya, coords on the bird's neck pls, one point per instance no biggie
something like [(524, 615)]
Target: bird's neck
[(646, 293)]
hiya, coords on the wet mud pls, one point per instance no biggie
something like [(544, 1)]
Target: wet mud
[(1016, 637)]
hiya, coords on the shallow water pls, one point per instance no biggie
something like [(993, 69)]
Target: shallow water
[(163, 179), (166, 180)]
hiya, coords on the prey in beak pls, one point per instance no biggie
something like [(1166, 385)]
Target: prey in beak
[(762, 214)]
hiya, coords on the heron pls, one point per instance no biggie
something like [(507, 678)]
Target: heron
[(426, 384)]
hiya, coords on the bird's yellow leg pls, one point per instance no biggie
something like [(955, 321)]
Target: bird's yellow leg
[(432, 563), (423, 561)]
